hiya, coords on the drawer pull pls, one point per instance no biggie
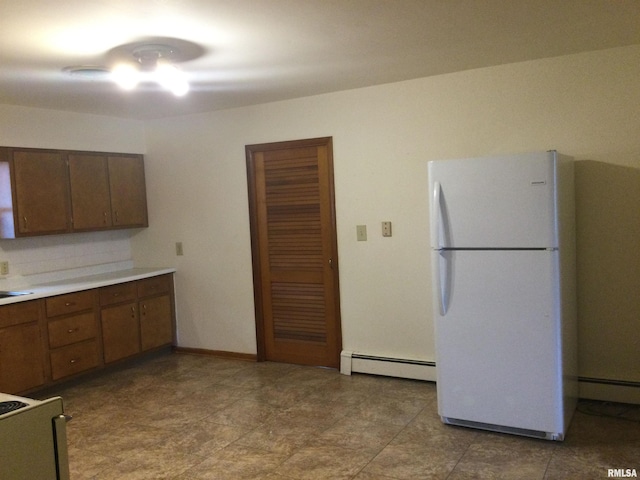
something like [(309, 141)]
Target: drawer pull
[(68, 304), (72, 330), (117, 294), (73, 360)]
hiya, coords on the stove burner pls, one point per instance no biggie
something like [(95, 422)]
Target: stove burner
[(10, 406)]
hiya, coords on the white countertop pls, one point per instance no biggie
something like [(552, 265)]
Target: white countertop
[(85, 282)]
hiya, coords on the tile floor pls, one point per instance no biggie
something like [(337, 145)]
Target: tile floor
[(188, 417)]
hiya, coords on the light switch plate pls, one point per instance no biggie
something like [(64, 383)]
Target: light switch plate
[(361, 233), (179, 250)]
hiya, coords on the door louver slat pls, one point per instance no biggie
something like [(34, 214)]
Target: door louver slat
[(295, 243)]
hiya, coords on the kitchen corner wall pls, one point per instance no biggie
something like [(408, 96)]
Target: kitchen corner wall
[(41, 128), (584, 105)]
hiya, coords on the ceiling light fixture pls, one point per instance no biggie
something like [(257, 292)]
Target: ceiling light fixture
[(153, 63), (147, 61)]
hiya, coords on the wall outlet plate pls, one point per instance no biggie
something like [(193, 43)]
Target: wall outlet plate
[(4, 268), (386, 229)]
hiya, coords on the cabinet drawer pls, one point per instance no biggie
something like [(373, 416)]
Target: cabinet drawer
[(74, 359), (122, 292), (154, 285), (19, 313), (69, 303), (66, 331)]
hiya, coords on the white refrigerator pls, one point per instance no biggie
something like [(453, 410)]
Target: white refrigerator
[(503, 262)]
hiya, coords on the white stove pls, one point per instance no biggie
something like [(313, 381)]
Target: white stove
[(9, 403), (33, 439)]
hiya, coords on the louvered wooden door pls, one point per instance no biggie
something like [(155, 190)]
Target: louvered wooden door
[(294, 251)]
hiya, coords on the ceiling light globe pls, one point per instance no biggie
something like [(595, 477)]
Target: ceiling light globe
[(180, 89), (126, 76), (172, 79)]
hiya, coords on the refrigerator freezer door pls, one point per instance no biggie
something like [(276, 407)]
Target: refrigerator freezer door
[(497, 346), (494, 202)]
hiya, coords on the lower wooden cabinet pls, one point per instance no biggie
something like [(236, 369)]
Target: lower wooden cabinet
[(156, 311), (142, 321), (22, 365), (120, 331), (156, 326), (46, 340)]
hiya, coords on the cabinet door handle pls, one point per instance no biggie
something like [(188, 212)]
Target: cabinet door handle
[(24, 219), (116, 212), (104, 214), (133, 312)]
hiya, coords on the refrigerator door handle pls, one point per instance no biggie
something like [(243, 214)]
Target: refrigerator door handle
[(436, 217), (443, 279), (440, 236)]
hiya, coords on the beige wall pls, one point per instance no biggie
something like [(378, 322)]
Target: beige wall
[(584, 105)]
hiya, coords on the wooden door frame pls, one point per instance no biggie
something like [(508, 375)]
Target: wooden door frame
[(255, 249)]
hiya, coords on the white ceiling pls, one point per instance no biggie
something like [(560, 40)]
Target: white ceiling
[(256, 51)]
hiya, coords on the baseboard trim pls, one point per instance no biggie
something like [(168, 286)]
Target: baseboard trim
[(248, 357), (387, 366)]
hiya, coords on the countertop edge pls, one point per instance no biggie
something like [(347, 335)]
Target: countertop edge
[(89, 282)]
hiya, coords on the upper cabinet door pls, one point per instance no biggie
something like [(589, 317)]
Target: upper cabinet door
[(128, 191), (90, 197), (41, 192)]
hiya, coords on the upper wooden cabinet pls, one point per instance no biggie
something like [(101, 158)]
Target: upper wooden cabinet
[(44, 192), (41, 186), (90, 197), (107, 191), (128, 190)]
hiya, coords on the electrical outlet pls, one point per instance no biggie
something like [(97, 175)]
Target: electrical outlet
[(179, 250), (386, 229), (4, 268)]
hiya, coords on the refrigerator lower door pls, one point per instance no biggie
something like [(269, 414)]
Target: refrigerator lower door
[(498, 344)]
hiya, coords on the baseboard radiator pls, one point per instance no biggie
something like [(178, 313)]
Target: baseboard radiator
[(589, 388), (609, 390), (387, 366)]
